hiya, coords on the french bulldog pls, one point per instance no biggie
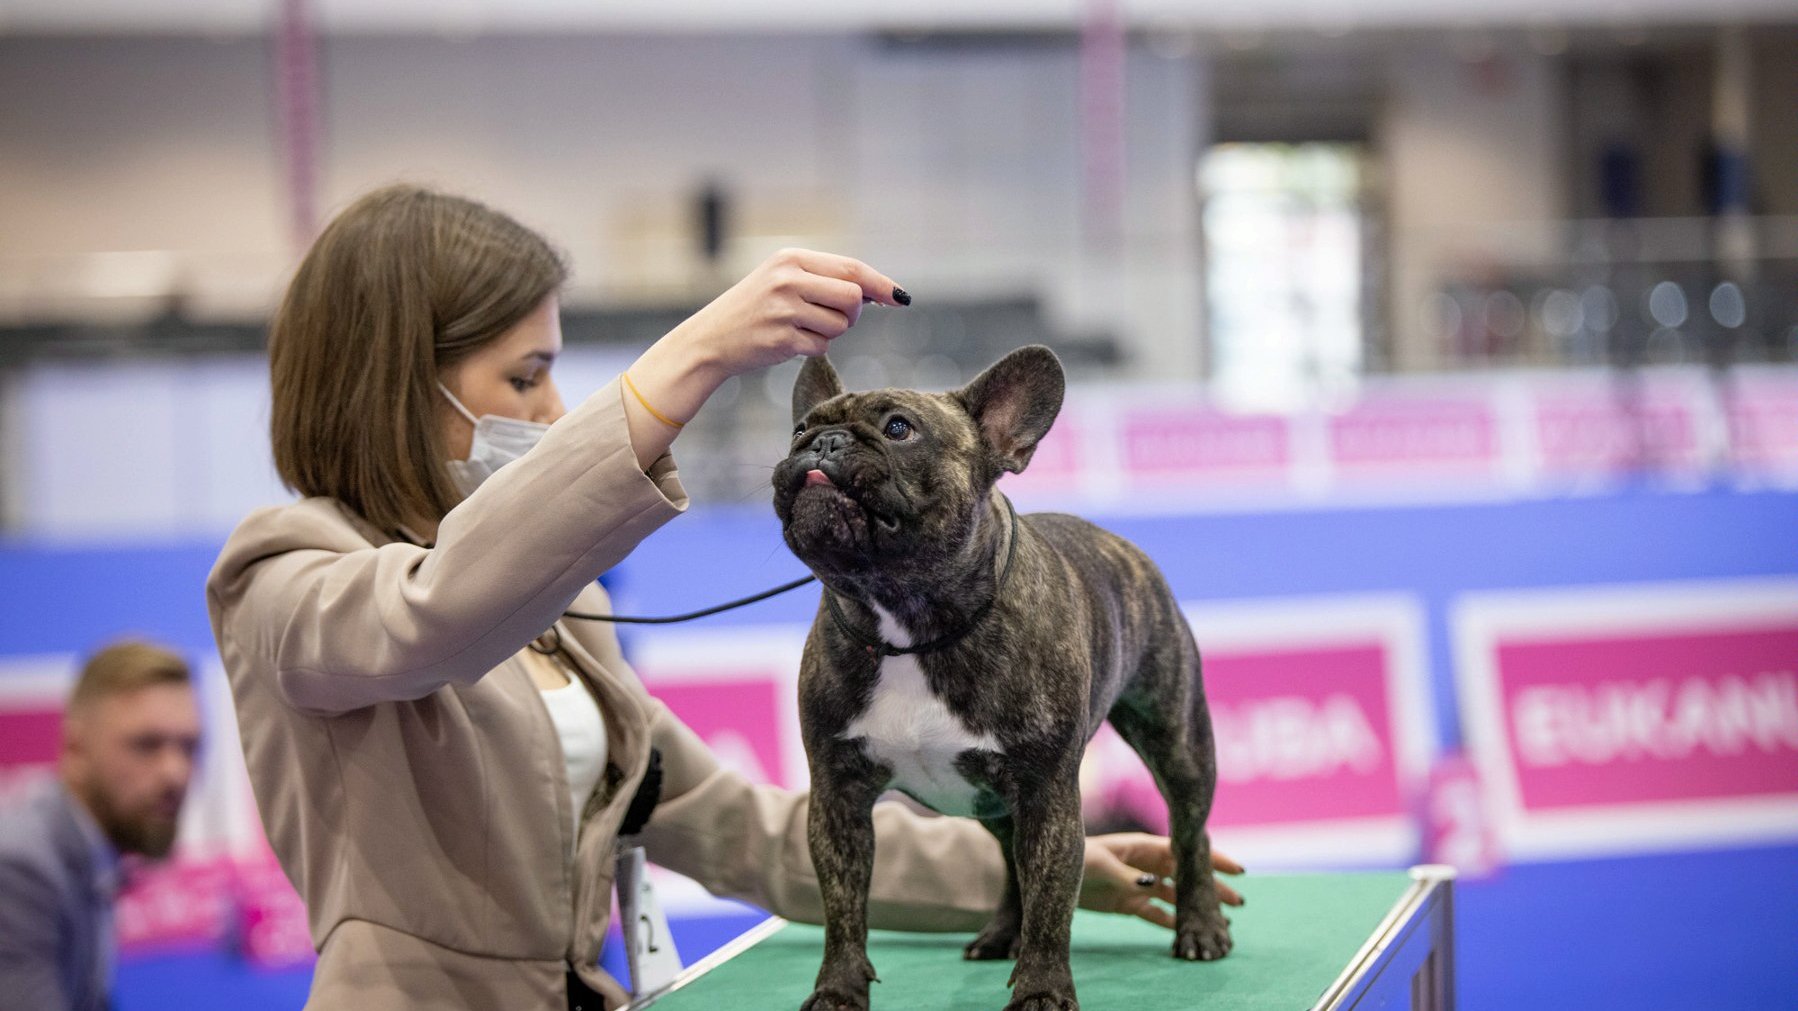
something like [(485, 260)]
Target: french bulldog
[(964, 655)]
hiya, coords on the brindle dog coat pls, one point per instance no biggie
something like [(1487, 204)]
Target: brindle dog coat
[(1028, 632)]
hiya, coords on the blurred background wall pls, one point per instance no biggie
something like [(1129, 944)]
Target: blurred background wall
[(1442, 354), (1277, 210)]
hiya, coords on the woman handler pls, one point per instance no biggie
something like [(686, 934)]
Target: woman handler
[(442, 764)]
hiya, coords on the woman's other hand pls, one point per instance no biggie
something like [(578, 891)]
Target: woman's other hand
[(1117, 864)]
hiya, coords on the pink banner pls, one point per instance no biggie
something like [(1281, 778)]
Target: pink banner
[(1303, 735), (1763, 424), (1635, 718), (1319, 712), (1161, 446), (1609, 432), (738, 719), (197, 902), (271, 919), (185, 902), (1422, 436), (30, 735), (1191, 444), (1653, 717)]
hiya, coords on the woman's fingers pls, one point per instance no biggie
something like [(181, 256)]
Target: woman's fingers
[(1163, 889), (872, 283), (1158, 915), (795, 303), (821, 320), (1152, 853), (1129, 855), (811, 345), (834, 293), (1132, 874)]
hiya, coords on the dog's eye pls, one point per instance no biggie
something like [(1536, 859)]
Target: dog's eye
[(898, 429), (799, 429)]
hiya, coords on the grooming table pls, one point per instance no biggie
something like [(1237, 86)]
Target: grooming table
[(1321, 941)]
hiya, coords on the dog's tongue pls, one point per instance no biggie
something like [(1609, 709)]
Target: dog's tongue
[(817, 477)]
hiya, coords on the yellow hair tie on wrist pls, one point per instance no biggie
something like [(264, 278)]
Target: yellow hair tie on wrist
[(658, 415)]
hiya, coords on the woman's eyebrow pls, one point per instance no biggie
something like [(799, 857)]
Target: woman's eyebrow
[(546, 357)]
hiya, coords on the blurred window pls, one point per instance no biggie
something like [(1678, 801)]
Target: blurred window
[(1284, 235)]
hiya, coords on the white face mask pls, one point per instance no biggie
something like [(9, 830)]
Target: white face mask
[(497, 442)]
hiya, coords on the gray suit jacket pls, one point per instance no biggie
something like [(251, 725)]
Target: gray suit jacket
[(56, 896)]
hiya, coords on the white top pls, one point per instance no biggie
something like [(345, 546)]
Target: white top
[(583, 734)]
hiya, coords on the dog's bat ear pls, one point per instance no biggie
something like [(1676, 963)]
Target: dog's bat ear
[(817, 382), (1015, 401)]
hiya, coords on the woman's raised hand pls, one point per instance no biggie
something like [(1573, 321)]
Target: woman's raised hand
[(794, 303)]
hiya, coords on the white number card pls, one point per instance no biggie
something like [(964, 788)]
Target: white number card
[(654, 962)]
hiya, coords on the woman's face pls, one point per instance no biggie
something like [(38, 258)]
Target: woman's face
[(508, 377)]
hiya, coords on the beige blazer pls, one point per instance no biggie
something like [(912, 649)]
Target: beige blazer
[(410, 779)]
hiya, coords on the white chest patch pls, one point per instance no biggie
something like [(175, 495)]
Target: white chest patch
[(907, 728)]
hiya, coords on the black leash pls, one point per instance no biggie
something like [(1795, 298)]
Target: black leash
[(881, 647), (626, 620), (876, 645)]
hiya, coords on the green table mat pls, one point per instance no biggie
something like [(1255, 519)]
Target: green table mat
[(1293, 938)]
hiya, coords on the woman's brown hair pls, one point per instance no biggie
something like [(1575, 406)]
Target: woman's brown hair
[(403, 283)]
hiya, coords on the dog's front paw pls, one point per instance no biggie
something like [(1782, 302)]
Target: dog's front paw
[(1053, 1001), (993, 943), (1040, 988), (842, 985), (1205, 941), (830, 998)]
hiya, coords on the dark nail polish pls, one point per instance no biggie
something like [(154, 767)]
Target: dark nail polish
[(901, 296)]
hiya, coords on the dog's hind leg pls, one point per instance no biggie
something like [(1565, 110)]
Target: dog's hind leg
[(1165, 719)]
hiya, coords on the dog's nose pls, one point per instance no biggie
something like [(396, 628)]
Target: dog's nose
[(830, 443)]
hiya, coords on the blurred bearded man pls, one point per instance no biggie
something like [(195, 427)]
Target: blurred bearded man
[(129, 737)]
